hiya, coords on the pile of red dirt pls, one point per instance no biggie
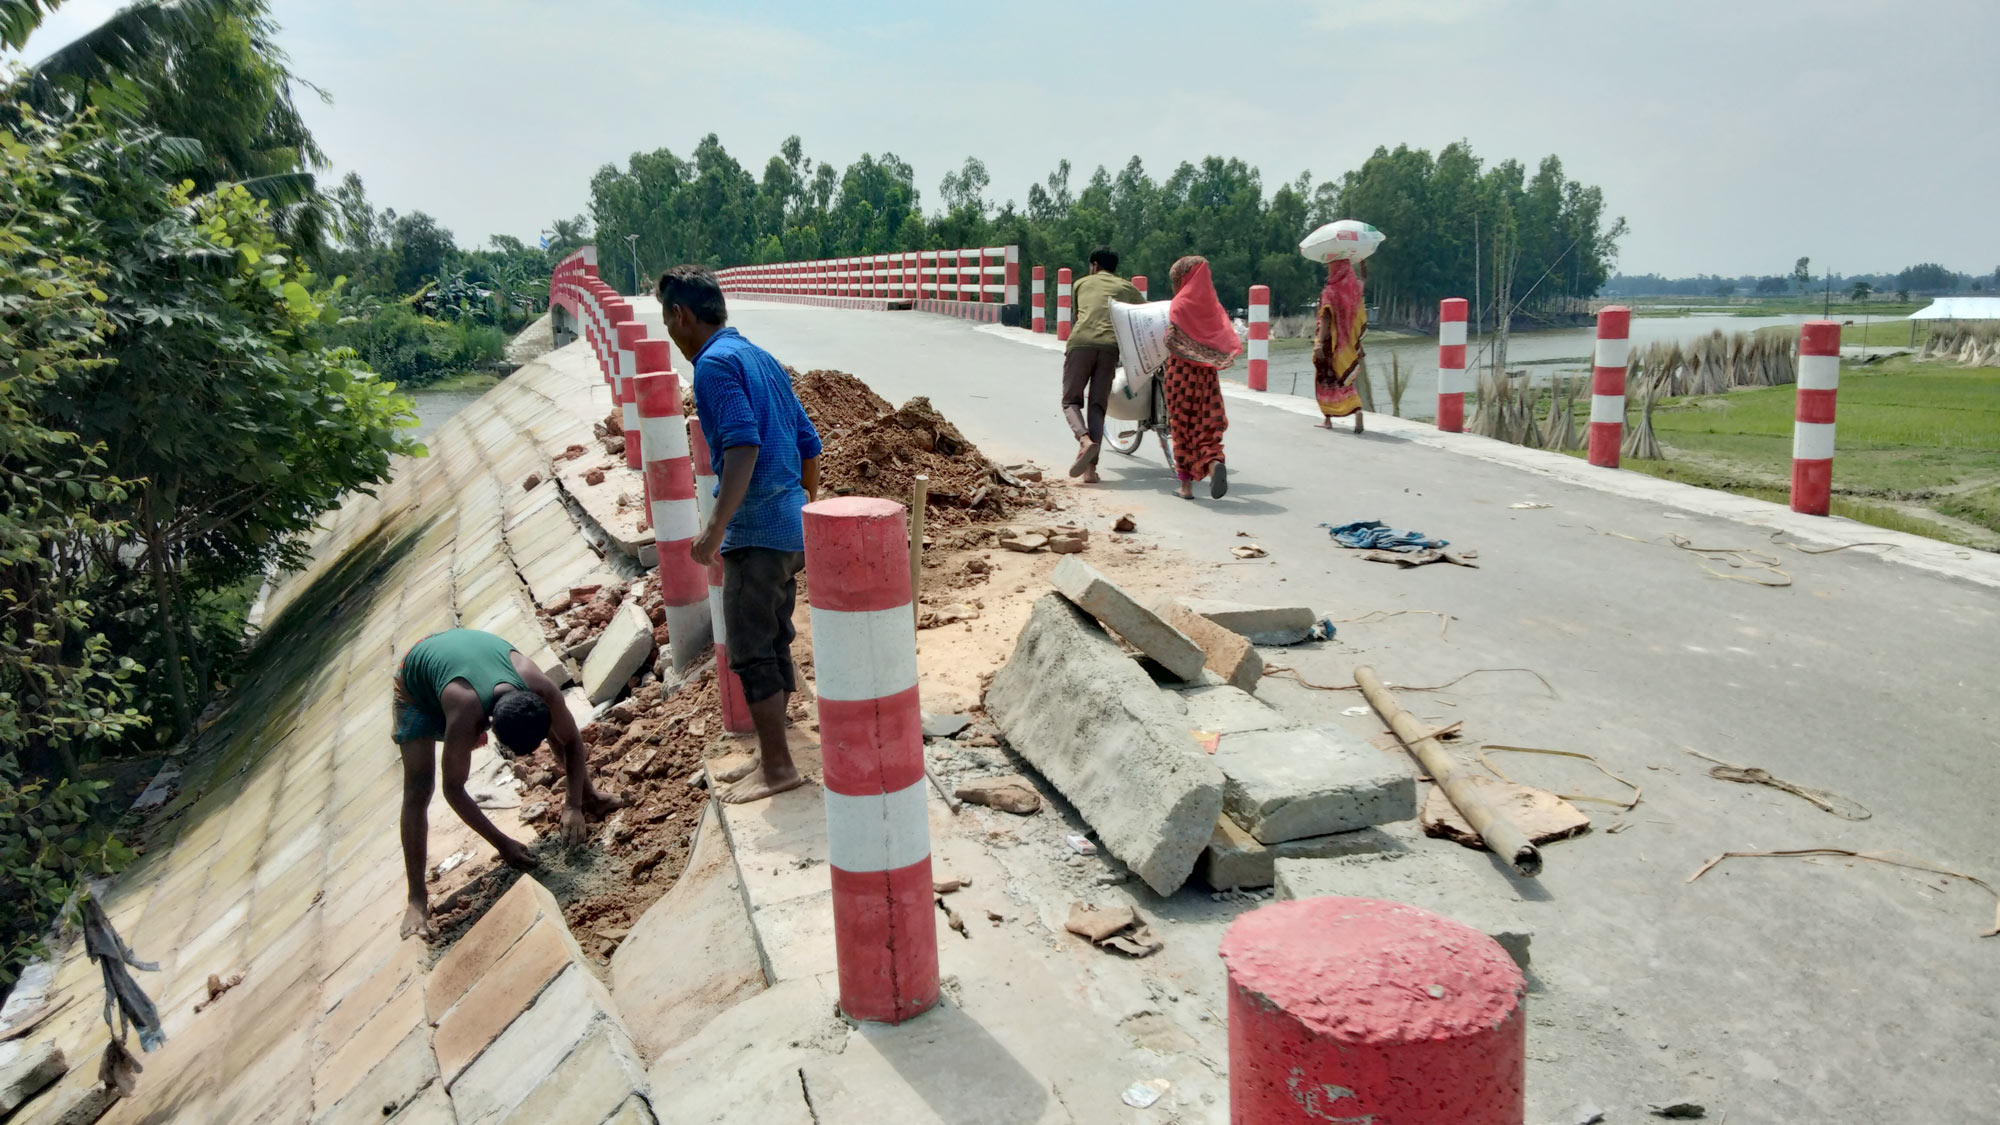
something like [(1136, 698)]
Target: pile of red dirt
[(874, 450)]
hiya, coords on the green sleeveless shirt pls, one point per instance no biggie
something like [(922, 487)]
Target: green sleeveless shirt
[(479, 658)]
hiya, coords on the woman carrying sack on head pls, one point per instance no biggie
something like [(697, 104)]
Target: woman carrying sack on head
[(1337, 344), (1200, 343)]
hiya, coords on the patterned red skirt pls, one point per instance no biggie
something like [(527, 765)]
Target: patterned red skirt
[(1194, 409)]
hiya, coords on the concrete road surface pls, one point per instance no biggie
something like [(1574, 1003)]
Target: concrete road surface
[(1822, 989)]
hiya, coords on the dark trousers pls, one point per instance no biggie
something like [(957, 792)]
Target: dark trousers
[(1087, 373), (760, 586)]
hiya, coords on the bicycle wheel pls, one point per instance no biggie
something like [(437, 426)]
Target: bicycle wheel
[(1124, 441)]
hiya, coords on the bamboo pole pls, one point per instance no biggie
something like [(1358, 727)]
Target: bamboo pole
[(1502, 837), (919, 496)]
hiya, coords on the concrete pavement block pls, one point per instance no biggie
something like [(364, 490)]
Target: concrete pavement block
[(525, 903), (591, 1085), (1228, 710), (760, 1044), (1263, 624), (1072, 703), (1447, 881), (1290, 784), (1228, 654), (621, 650), (692, 954), (561, 1019), (1101, 598), (1234, 858), (500, 995), (26, 1069), (398, 1080)]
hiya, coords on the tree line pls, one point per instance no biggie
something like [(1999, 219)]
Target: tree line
[(1455, 225), (1924, 279)]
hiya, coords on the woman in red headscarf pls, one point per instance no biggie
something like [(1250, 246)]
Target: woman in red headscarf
[(1200, 343), (1337, 344)]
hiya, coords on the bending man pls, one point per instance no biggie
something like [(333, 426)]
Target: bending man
[(454, 685)]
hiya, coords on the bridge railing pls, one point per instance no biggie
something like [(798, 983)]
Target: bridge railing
[(976, 283)]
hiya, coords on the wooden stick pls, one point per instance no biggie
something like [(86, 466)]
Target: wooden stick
[(1501, 836), (919, 496), (951, 802)]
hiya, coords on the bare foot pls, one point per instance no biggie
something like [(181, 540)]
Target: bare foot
[(517, 856), (417, 920), (760, 785), (1326, 422), (1186, 492), (1091, 477), (739, 771)]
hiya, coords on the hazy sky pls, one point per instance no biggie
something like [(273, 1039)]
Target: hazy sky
[(1733, 137)]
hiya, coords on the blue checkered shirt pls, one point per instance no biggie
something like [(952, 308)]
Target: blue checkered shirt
[(745, 398)]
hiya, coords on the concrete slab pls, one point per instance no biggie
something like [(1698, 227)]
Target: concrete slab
[(621, 651), (1235, 860), (26, 1069), (761, 1044), (590, 1087), (534, 1046), (1229, 654), (1100, 597), (501, 994), (1262, 624), (1073, 704), (1290, 784), (1222, 709), (692, 954), (1454, 882)]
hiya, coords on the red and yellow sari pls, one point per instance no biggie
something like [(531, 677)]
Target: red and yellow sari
[(1337, 341)]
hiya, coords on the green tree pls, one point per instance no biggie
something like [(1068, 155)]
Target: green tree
[(1860, 291), (1802, 273), (1927, 277), (63, 687)]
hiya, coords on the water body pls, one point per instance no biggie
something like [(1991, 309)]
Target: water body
[(1564, 351), (435, 408)]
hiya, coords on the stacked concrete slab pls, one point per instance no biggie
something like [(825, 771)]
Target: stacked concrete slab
[(1130, 755)]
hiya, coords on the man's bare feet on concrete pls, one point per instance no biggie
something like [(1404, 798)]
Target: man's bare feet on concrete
[(417, 920), (1090, 477), (739, 771), (759, 785)]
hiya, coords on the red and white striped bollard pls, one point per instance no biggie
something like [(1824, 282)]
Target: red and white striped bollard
[(1451, 364), (1607, 384), (630, 334), (1037, 298), (872, 750), (1062, 304), (1139, 283), (670, 499), (1812, 417), (735, 711), (1259, 345)]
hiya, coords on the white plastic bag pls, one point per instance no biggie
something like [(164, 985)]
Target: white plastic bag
[(1142, 334), (1128, 403), (1351, 239)]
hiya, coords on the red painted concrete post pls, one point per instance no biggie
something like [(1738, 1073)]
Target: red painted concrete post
[(1607, 384), (670, 500), (1010, 275), (1038, 298), (1260, 337), (1139, 283), (1812, 420), (1451, 364), (1062, 304), (1349, 1009), (735, 711), (630, 333), (872, 750)]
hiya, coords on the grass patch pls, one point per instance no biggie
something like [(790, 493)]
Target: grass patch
[(1891, 330), (1908, 433)]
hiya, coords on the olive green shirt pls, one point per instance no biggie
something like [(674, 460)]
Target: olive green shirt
[(1092, 295)]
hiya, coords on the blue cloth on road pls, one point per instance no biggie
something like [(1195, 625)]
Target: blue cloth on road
[(1371, 535), (744, 397)]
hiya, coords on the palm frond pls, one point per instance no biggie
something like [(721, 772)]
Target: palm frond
[(20, 18), (118, 46)]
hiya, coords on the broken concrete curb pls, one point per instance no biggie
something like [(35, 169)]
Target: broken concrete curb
[(1085, 715), (1102, 598), (1291, 784), (1263, 624), (1229, 654), (620, 652)]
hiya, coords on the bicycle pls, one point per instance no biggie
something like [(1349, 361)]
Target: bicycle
[(1127, 441)]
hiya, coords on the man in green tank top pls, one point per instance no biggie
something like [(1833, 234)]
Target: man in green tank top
[(453, 686)]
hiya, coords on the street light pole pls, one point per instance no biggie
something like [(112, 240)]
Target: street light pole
[(632, 244)]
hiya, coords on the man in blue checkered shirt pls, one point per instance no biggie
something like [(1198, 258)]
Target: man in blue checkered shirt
[(766, 452)]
